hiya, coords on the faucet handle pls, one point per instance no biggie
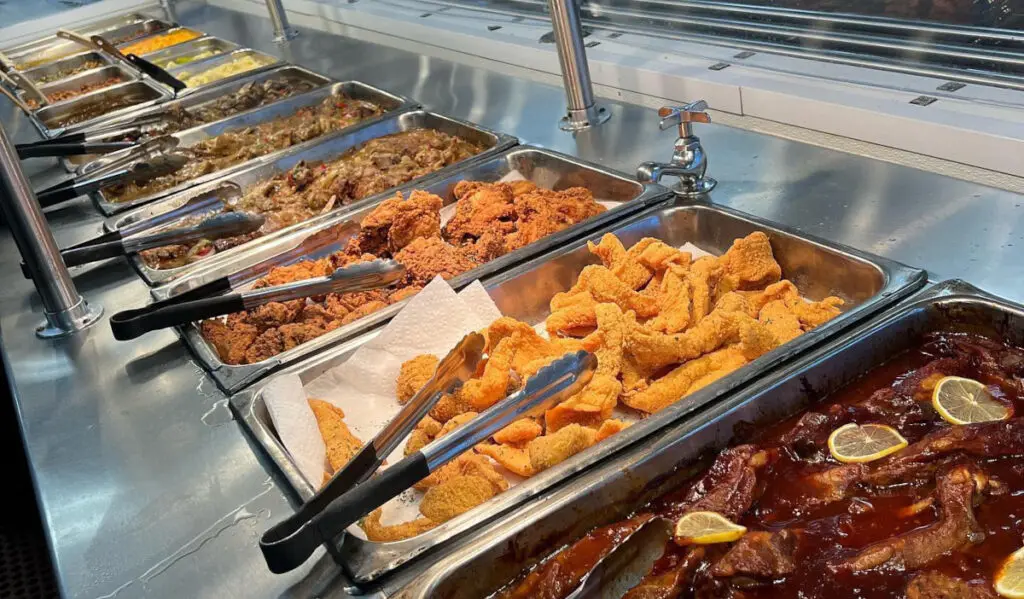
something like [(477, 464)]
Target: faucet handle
[(682, 116)]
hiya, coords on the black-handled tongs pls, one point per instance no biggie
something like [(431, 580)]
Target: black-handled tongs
[(217, 197), (288, 544), (52, 148), (102, 44), (228, 224), (142, 162), (160, 315), (451, 373)]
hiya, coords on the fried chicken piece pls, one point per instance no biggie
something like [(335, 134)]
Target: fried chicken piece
[(750, 264), (269, 343), (656, 350), (635, 376), (418, 216), (575, 317), (422, 435), (428, 257), (482, 208), (404, 293), (231, 342), (300, 271), (455, 423), (658, 255), (455, 496), (468, 463), (610, 427), (363, 310), (397, 221), (623, 264), (781, 321), (418, 439), (358, 299), (489, 246), (413, 374), (673, 303), (341, 444), (484, 391), (605, 287), (686, 378), (590, 407), (382, 533), (543, 212), (596, 401), (812, 314), (296, 333), (429, 426), (703, 277), (526, 345), (335, 306), (274, 314), (519, 432), (514, 459), (449, 406), (554, 448), (783, 290)]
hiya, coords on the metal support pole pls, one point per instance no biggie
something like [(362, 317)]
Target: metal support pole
[(66, 311), (572, 56), (169, 13), (282, 30)]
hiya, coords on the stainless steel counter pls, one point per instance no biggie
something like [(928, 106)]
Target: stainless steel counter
[(148, 487)]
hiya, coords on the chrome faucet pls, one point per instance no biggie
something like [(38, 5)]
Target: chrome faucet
[(689, 162)]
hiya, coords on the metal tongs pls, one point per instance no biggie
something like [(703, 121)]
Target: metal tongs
[(101, 44), (142, 162), (218, 226), (288, 544), (219, 195), (31, 91), (114, 137), (130, 324)]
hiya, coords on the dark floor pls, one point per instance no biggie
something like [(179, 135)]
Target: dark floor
[(25, 569)]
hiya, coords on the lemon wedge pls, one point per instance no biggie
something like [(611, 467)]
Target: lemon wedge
[(706, 528), (855, 443), (1009, 580), (966, 401)]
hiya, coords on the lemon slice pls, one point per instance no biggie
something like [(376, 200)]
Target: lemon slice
[(855, 443), (706, 528), (1010, 576), (966, 401)]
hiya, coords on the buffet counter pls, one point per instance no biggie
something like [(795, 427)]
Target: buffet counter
[(147, 483)]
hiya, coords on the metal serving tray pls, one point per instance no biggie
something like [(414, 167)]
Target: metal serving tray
[(38, 73), (329, 235), (48, 118), (89, 29), (87, 78), (56, 47), (191, 48), (817, 268), (500, 551), (323, 149), (277, 110), (201, 66), (124, 46), (202, 98)]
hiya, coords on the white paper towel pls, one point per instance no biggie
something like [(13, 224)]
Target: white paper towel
[(363, 386)]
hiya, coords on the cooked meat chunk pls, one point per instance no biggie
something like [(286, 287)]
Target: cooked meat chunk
[(760, 554), (956, 527), (936, 585)]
